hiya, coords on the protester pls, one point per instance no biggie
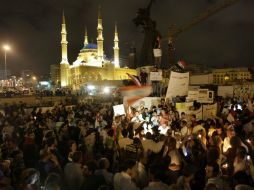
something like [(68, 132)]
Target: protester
[(85, 146)]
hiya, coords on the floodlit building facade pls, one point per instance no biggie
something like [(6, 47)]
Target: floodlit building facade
[(230, 75), (91, 63)]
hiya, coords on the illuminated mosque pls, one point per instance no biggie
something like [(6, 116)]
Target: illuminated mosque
[(91, 63)]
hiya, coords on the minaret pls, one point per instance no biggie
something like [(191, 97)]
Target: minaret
[(64, 65), (100, 37), (86, 38), (116, 49)]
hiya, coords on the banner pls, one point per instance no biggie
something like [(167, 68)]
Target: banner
[(186, 107), (146, 102), (119, 110), (226, 91), (155, 76), (178, 84), (209, 111)]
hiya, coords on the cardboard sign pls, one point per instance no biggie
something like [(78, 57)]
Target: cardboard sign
[(193, 95), (157, 52), (119, 110), (209, 111), (202, 95), (226, 91), (155, 76), (146, 102), (178, 84)]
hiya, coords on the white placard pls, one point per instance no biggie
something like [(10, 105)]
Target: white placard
[(226, 91), (185, 107), (178, 84), (209, 111), (119, 110), (146, 102), (202, 95), (157, 52), (193, 95), (155, 76)]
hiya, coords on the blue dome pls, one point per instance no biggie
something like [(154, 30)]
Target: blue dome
[(90, 46)]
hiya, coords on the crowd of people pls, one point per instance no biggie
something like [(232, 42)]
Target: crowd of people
[(87, 147)]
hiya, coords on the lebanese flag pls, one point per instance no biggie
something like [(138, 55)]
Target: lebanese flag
[(181, 64), (135, 79)]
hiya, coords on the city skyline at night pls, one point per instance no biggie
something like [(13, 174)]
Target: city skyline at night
[(33, 28)]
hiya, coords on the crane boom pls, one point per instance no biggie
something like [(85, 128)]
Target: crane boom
[(175, 31)]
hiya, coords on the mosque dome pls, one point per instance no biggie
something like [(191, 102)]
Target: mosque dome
[(90, 46)]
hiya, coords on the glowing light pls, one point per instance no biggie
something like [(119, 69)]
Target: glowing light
[(90, 87), (106, 90), (44, 83), (6, 47), (225, 165)]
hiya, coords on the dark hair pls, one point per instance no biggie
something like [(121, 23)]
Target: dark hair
[(124, 133), (52, 181), (102, 163), (50, 141), (241, 152), (128, 164), (157, 171), (183, 122), (70, 143), (235, 142), (189, 170), (30, 176), (92, 165), (213, 154), (77, 156)]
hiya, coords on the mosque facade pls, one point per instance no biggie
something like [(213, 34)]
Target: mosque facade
[(91, 64)]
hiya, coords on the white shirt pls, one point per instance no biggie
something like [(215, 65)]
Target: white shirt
[(163, 129), (149, 144), (122, 181), (226, 144), (142, 175), (185, 131)]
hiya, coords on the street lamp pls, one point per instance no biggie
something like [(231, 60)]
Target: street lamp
[(6, 48)]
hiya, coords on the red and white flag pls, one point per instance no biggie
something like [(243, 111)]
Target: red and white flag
[(134, 79)]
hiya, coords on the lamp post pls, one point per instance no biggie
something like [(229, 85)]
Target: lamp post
[(6, 48)]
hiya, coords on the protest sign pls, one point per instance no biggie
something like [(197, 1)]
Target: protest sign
[(119, 110), (146, 102), (193, 95), (209, 111), (225, 91), (178, 84), (155, 76), (157, 52)]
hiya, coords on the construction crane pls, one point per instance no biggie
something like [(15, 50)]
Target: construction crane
[(175, 31)]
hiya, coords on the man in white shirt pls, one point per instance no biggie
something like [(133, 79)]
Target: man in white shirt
[(185, 130), (123, 180)]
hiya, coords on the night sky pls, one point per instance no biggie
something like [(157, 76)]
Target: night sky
[(32, 29)]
